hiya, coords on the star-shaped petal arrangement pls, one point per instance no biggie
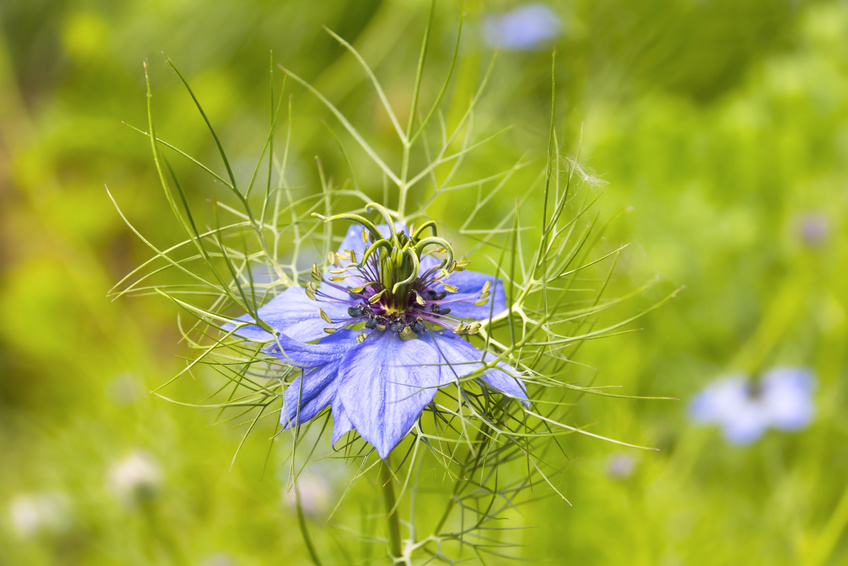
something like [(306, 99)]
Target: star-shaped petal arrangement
[(382, 333)]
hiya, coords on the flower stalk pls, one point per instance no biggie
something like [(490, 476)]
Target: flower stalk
[(390, 502)]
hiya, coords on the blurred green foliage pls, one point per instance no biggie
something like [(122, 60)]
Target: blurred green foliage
[(722, 126)]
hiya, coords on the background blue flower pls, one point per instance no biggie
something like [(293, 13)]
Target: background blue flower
[(745, 409), (526, 27)]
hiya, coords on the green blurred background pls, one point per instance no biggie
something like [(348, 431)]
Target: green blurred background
[(721, 125)]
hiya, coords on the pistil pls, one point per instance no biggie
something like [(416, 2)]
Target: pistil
[(390, 292)]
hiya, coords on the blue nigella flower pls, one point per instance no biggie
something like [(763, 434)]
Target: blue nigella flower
[(382, 333), (524, 28), (745, 409)]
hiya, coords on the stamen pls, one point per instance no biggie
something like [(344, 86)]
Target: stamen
[(393, 293), (310, 290)]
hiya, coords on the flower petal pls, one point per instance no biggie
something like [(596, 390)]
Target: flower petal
[(292, 313), (332, 348), (385, 384), (309, 394), (747, 425), (470, 284), (459, 358), (719, 400), (341, 422), (787, 395)]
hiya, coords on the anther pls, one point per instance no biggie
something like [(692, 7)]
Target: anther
[(418, 327), (376, 297), (432, 295), (310, 290)]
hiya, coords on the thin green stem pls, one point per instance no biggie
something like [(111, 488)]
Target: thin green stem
[(304, 532), (395, 547)]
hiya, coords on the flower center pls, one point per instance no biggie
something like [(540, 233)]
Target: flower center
[(397, 285), (390, 288)]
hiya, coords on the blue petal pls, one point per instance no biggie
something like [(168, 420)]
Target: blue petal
[(294, 314), (523, 28), (747, 425), (341, 422), (385, 384), (720, 400), (459, 358), (788, 397), (332, 348), (309, 394), (470, 284)]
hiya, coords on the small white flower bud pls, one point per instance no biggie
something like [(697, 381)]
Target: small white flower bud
[(135, 477), (34, 514)]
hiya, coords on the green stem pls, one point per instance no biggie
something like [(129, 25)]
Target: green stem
[(301, 521), (391, 510)]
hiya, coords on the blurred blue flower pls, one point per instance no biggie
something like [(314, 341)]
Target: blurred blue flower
[(526, 27), (378, 378), (746, 409)]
